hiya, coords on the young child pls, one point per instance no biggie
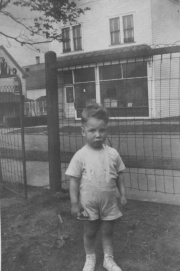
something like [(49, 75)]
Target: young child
[(95, 171)]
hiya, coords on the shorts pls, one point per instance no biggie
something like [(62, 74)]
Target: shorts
[(100, 204)]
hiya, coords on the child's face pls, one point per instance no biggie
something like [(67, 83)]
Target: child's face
[(95, 131)]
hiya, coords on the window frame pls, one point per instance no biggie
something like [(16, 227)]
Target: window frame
[(71, 39), (27, 108), (128, 29), (125, 79), (78, 39), (68, 41), (121, 24), (42, 107), (113, 32)]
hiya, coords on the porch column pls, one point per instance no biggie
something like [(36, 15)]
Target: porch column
[(98, 93)]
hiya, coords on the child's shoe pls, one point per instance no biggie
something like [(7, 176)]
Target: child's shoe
[(90, 262), (110, 264)]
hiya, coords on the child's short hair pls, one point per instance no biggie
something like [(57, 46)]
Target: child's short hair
[(96, 111)]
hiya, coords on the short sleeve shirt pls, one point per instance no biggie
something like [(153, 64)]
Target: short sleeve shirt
[(97, 168)]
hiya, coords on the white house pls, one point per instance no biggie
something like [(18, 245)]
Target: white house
[(103, 59), (35, 86), (9, 85)]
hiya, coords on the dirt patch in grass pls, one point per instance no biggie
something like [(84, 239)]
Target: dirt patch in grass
[(146, 238)]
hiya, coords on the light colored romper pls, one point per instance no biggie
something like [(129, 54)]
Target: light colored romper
[(97, 171)]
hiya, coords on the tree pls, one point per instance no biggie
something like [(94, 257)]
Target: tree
[(46, 16)]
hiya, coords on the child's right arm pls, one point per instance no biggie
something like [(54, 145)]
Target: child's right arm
[(74, 196)]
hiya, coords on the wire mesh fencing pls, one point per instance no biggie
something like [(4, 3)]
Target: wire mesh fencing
[(142, 96), (12, 149)]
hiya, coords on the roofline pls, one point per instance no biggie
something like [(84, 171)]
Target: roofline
[(143, 50), (105, 55), (33, 65), (14, 61), (102, 56)]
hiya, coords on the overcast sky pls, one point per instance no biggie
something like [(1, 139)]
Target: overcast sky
[(24, 55)]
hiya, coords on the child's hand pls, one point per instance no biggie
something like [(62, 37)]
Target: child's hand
[(123, 200), (75, 209)]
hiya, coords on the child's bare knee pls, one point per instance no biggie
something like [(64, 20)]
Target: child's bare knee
[(90, 233), (107, 228), (91, 229)]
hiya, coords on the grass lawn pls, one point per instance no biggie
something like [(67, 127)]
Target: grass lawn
[(146, 238)]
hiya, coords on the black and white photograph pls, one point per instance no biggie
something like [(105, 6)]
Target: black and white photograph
[(90, 135)]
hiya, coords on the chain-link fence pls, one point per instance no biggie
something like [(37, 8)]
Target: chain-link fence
[(12, 148), (142, 94)]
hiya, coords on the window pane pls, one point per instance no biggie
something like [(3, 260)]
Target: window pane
[(85, 93), (115, 38), (135, 69), (110, 72), (66, 39), (67, 77), (77, 37), (84, 75), (69, 95), (112, 94), (128, 28), (136, 92), (77, 44), (114, 24), (115, 31), (129, 36), (77, 31), (128, 22), (127, 97)]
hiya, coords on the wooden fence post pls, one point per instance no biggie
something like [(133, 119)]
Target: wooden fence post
[(53, 122)]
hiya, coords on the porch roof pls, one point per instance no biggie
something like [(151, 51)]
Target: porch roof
[(103, 56), (28, 100), (41, 99), (107, 55)]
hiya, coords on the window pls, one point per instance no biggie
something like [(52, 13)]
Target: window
[(66, 39), (77, 37), (115, 31), (128, 29), (84, 75), (110, 72), (67, 76), (124, 89), (27, 111), (72, 39), (84, 86), (122, 29), (69, 95), (42, 107)]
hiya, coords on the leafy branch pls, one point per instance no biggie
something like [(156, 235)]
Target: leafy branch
[(51, 15)]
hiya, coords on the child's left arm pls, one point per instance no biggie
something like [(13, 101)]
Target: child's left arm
[(121, 187)]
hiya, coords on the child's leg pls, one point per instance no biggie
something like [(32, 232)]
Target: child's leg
[(107, 228), (90, 231)]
